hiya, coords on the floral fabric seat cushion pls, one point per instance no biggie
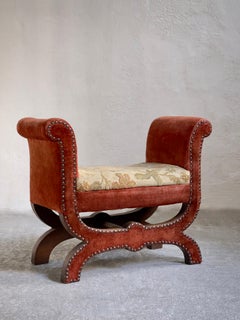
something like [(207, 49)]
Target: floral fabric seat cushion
[(137, 175)]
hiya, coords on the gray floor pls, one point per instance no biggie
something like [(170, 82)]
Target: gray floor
[(121, 284)]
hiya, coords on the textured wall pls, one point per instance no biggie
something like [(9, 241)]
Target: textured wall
[(109, 67)]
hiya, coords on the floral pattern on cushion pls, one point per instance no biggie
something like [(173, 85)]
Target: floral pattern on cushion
[(137, 175)]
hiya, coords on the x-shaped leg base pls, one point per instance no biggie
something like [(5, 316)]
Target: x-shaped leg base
[(105, 232)]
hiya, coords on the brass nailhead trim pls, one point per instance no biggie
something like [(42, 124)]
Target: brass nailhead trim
[(63, 204), (62, 154)]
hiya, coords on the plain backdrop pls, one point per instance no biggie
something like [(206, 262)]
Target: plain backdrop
[(109, 67)]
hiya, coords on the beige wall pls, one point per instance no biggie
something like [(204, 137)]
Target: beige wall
[(109, 67)]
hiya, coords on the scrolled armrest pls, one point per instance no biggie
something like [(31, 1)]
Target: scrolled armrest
[(32, 128), (176, 140), (53, 161), (43, 129)]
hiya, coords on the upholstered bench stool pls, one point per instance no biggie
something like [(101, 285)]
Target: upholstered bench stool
[(60, 191)]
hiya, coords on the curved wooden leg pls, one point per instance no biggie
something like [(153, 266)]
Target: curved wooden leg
[(47, 216), (46, 243), (50, 239)]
